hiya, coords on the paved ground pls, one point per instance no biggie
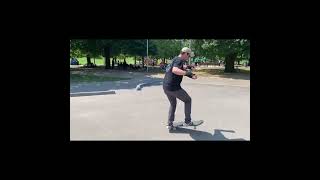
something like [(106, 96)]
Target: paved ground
[(129, 114)]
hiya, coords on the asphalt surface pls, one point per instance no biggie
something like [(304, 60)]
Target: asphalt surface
[(121, 111)]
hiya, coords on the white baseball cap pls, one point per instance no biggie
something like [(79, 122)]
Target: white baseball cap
[(188, 50)]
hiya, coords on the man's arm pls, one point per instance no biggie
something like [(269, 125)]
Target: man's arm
[(188, 67), (178, 71)]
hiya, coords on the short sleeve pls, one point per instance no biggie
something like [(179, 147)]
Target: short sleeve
[(178, 63)]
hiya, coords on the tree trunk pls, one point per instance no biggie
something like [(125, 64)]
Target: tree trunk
[(135, 60), (142, 61), (107, 57), (112, 63), (124, 64), (230, 58), (88, 60)]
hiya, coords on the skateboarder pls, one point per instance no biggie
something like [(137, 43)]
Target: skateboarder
[(171, 85)]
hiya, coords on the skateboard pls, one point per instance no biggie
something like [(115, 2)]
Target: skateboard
[(182, 124)]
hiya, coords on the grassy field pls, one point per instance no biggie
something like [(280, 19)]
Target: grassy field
[(100, 61)]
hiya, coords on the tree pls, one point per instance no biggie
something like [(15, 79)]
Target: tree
[(92, 51), (85, 47), (76, 47), (233, 49), (167, 48), (229, 49)]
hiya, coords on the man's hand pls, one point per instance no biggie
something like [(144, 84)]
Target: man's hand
[(190, 67), (189, 73), (185, 67)]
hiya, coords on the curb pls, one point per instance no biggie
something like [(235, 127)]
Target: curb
[(141, 85), (94, 93)]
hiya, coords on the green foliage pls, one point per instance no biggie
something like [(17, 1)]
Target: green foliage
[(213, 49), (76, 48), (167, 48)]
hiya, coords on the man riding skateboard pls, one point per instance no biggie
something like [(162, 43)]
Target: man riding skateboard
[(171, 86)]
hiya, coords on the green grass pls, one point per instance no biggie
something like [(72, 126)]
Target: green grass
[(83, 61), (92, 78), (100, 60), (245, 71)]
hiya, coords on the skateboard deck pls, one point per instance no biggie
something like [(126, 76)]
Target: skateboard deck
[(182, 124)]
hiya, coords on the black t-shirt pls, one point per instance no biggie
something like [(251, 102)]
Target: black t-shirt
[(172, 81)]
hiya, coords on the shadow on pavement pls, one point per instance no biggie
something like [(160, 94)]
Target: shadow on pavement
[(205, 136), (235, 76)]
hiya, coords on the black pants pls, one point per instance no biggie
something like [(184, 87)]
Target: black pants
[(183, 96)]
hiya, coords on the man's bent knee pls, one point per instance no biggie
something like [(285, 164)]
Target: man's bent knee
[(188, 100)]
